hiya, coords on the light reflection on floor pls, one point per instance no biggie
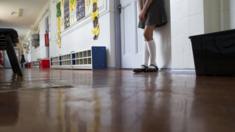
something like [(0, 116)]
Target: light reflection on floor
[(115, 101)]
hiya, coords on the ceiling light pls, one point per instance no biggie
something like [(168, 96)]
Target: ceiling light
[(19, 12)]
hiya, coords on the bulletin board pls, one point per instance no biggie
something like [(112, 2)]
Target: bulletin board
[(75, 10), (70, 12)]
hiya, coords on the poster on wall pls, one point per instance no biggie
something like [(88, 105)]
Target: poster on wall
[(80, 13), (66, 14), (72, 7), (58, 15)]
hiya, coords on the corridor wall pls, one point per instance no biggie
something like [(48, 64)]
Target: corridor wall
[(41, 51), (186, 18), (78, 37), (194, 17), (227, 14)]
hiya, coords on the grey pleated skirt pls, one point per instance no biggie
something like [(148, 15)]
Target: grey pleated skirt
[(156, 15)]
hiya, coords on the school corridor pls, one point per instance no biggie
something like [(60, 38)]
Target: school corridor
[(71, 66)]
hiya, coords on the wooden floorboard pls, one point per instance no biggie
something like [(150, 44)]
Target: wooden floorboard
[(115, 101)]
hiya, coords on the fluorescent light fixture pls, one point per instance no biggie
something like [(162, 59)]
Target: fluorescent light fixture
[(19, 12)]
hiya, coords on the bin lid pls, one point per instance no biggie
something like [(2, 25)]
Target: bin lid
[(213, 33)]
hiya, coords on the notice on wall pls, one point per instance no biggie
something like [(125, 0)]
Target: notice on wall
[(80, 13), (66, 14)]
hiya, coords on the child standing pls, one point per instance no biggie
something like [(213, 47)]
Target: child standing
[(152, 15)]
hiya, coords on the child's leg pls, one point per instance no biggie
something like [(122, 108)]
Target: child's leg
[(146, 54), (148, 34), (152, 48)]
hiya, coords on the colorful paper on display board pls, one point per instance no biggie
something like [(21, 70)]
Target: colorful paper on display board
[(58, 9), (95, 18), (88, 7), (58, 15), (72, 7)]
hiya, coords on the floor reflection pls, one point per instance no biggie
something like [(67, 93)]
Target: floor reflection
[(9, 109), (9, 101), (115, 101)]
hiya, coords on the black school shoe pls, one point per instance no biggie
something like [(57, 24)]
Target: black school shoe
[(143, 68), (152, 68)]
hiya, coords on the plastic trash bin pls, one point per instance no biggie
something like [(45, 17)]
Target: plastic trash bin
[(214, 53), (44, 63)]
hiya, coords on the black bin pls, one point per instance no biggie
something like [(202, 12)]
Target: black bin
[(214, 53)]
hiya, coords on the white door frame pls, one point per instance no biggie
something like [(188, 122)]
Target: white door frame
[(118, 35), (117, 23)]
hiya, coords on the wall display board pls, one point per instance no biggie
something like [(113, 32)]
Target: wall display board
[(72, 11), (69, 12)]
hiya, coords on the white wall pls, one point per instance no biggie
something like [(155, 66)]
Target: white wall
[(41, 51), (174, 50), (187, 19), (54, 49), (212, 15), (232, 15), (227, 14), (79, 37)]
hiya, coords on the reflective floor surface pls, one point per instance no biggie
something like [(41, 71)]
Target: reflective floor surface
[(115, 101)]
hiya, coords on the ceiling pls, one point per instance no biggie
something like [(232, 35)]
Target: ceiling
[(20, 14)]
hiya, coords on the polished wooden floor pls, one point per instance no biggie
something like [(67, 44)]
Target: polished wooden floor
[(115, 101)]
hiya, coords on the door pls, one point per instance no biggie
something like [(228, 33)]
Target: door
[(130, 50)]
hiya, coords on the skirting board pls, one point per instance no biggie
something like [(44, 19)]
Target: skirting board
[(88, 67)]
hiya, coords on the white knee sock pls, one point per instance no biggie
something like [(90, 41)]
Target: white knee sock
[(152, 52), (146, 54)]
